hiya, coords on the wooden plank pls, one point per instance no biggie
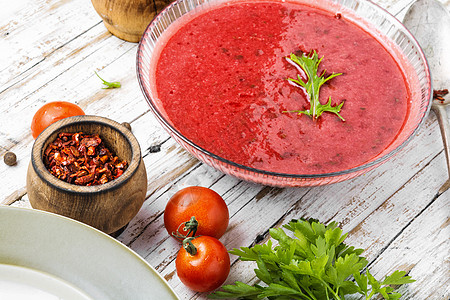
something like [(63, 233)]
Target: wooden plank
[(35, 29), (381, 229), (358, 203), (91, 98), (50, 83), (421, 248), (387, 210), (363, 191), (63, 75)]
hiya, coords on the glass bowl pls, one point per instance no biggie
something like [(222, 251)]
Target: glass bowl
[(366, 15)]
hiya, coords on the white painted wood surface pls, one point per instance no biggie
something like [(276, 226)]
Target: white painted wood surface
[(49, 51)]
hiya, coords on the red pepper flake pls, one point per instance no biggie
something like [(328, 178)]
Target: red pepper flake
[(82, 159), (439, 94)]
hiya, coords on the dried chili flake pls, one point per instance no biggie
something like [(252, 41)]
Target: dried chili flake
[(439, 94), (82, 159)]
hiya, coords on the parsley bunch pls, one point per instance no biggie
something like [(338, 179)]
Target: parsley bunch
[(314, 265)]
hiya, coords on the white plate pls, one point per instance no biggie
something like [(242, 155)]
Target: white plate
[(17, 283), (59, 255)]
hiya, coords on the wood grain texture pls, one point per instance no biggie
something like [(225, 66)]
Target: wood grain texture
[(50, 51), (127, 19), (108, 207)]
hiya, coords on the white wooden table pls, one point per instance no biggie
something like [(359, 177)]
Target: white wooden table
[(49, 51)]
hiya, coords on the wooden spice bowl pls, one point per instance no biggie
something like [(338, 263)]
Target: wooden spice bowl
[(127, 19), (108, 207)]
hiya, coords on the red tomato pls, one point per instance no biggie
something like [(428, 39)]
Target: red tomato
[(52, 112), (207, 269), (204, 204)]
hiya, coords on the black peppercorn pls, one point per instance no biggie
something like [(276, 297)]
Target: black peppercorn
[(10, 158)]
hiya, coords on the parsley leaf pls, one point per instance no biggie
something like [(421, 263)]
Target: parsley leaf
[(309, 63), (314, 264), (398, 277)]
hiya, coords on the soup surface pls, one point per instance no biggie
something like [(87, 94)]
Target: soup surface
[(222, 79)]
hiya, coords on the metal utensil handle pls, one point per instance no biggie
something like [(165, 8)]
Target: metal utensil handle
[(441, 114)]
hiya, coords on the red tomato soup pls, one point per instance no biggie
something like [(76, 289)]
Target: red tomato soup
[(222, 79)]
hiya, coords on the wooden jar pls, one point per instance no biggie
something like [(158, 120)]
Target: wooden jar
[(108, 207), (127, 19)]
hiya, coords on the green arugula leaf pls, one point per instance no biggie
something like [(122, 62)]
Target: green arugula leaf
[(109, 85), (309, 63)]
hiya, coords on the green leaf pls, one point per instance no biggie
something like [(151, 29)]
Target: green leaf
[(387, 293), (262, 272), (373, 283), (300, 267), (318, 228), (328, 107), (331, 275), (346, 267), (279, 235), (290, 279), (309, 63), (394, 296), (343, 250), (320, 248), (335, 236), (238, 290), (303, 230), (396, 278), (109, 85), (245, 253), (314, 265), (349, 287), (251, 254), (318, 265), (275, 289), (362, 281)]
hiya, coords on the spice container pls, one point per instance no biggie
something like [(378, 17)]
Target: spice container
[(109, 206), (127, 19)]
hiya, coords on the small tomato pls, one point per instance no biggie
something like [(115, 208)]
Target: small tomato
[(52, 112), (205, 270), (208, 208)]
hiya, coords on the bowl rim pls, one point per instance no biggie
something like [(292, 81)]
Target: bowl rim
[(59, 126), (365, 166)]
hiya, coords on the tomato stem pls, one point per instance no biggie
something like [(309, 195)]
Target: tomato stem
[(188, 246), (189, 226)]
